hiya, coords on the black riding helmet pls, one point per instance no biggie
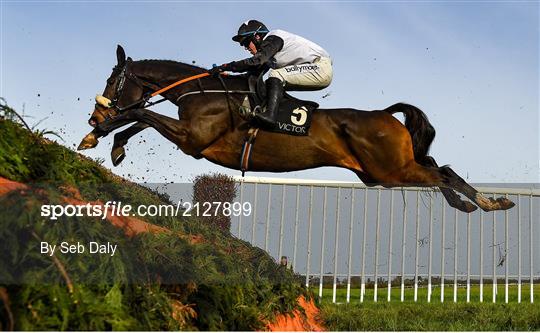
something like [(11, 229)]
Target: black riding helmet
[(248, 30)]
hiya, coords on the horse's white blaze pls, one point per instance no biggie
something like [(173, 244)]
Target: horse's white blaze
[(103, 101)]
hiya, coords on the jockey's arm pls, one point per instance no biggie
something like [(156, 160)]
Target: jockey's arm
[(269, 47)]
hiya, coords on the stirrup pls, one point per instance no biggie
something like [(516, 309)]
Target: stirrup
[(257, 110)]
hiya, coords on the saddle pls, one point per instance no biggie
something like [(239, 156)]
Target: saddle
[(294, 115)]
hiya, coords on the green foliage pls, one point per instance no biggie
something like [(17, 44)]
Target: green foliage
[(101, 297), (156, 281), (29, 157)]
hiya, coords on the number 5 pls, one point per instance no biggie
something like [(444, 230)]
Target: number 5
[(299, 116)]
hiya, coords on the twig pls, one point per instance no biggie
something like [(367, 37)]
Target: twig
[(5, 298), (62, 270), (7, 108), (35, 133)]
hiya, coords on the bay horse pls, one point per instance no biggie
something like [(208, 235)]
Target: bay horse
[(376, 146)]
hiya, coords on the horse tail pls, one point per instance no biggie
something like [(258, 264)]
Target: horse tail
[(418, 125)]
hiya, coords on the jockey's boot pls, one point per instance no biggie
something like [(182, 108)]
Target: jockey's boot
[(274, 91)]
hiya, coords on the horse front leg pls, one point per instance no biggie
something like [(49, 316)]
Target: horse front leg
[(104, 128), (176, 131), (118, 152)]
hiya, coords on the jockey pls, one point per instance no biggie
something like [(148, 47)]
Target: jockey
[(295, 64)]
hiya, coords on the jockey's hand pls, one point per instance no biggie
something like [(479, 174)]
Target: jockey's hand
[(215, 71)]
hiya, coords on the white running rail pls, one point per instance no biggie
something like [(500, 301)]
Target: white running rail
[(347, 236)]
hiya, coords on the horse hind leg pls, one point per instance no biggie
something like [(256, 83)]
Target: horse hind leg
[(422, 175), (454, 200), (454, 181), (415, 174), (445, 177), (448, 181), (118, 152)]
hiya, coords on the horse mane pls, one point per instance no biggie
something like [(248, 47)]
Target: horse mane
[(171, 62), (173, 68)]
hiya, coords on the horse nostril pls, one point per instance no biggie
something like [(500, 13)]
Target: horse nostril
[(92, 122)]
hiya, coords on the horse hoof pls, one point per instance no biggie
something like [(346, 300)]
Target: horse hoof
[(88, 142), (117, 155), (505, 203), (489, 204)]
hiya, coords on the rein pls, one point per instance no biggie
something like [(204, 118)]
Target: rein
[(214, 91), (177, 83), (162, 90)]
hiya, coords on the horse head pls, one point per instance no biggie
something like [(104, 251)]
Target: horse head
[(120, 91)]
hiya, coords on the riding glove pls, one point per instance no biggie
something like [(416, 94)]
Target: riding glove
[(215, 71)]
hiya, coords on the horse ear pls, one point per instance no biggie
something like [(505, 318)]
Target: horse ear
[(120, 55)]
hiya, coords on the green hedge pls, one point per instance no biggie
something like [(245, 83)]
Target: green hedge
[(221, 283)]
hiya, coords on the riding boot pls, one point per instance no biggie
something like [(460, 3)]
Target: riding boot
[(274, 90)]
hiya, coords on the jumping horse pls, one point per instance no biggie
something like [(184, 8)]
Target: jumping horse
[(376, 146)]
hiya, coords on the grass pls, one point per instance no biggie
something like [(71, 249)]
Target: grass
[(434, 316), (408, 316)]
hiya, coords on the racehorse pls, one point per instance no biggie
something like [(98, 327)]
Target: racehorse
[(376, 146)]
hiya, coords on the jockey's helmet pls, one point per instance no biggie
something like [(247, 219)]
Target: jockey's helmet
[(248, 30)]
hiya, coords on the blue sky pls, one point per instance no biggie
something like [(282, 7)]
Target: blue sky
[(473, 67)]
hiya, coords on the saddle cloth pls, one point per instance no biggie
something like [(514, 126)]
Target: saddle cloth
[(294, 115)]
